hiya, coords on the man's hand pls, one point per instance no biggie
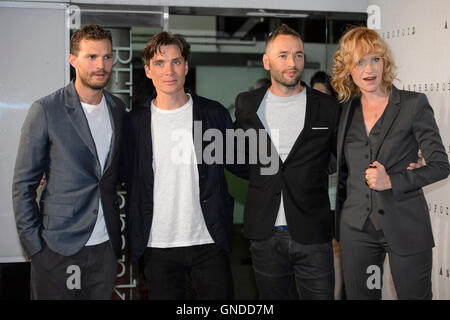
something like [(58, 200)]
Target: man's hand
[(418, 164), (377, 178)]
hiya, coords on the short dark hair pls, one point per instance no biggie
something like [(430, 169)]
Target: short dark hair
[(325, 79), (164, 39), (88, 32), (284, 29)]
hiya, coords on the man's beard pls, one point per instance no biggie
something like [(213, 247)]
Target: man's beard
[(278, 77), (96, 85)]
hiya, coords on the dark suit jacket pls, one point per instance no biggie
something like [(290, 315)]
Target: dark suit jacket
[(408, 126), (217, 205), (56, 140), (302, 177)]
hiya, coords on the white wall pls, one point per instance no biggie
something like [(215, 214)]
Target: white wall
[(417, 34), (31, 68)]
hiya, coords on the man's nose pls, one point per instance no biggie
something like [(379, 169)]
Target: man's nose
[(100, 63), (291, 60)]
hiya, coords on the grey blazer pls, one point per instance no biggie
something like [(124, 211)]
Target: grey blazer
[(408, 126), (56, 140)]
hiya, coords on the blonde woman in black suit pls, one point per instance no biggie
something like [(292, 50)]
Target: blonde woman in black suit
[(380, 205)]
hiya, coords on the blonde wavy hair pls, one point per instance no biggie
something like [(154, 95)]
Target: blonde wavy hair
[(356, 43)]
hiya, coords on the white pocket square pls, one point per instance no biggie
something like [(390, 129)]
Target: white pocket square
[(319, 128)]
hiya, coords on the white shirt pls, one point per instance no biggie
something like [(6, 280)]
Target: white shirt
[(283, 117), (100, 126), (177, 215)]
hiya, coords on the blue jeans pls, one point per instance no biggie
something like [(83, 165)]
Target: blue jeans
[(278, 260)]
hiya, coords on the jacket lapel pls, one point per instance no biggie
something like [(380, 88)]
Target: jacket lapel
[(344, 123), (144, 138), (252, 109), (390, 114), (113, 117), (79, 121), (197, 135), (312, 110)]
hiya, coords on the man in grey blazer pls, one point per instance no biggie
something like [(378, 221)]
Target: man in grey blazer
[(72, 136)]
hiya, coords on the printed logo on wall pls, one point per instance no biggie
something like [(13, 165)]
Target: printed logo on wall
[(403, 32), (428, 87)]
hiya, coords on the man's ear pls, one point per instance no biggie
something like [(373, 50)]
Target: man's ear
[(147, 71), (187, 69), (73, 61), (266, 62)]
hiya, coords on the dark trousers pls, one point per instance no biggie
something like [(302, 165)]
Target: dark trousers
[(208, 267), (90, 274), (363, 249), (278, 260)]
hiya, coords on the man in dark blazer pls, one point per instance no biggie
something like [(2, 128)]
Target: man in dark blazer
[(180, 214), (72, 136), (287, 213)]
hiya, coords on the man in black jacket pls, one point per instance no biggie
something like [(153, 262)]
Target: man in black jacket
[(180, 213), (287, 213)]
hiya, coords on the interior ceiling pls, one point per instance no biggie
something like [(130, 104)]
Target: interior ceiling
[(233, 27), (134, 16)]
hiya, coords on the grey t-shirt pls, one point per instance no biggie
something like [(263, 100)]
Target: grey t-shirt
[(284, 119)]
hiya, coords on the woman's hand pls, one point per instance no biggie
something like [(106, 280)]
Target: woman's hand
[(377, 177)]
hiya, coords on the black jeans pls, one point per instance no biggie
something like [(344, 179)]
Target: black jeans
[(277, 259), (90, 274), (366, 248), (208, 267)]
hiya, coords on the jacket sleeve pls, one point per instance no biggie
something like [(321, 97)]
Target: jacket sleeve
[(236, 165), (426, 133), (29, 168)]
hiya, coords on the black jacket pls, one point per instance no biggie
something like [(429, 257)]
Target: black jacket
[(302, 178), (408, 126), (217, 205)]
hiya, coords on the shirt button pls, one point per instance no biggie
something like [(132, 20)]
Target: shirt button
[(95, 211), (381, 211)]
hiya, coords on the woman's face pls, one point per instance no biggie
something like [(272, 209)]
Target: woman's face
[(367, 74)]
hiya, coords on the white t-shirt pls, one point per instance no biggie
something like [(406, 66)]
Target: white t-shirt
[(177, 215), (100, 126), (283, 117)]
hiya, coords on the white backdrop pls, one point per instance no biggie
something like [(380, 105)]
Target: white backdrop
[(418, 33), (33, 63)]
